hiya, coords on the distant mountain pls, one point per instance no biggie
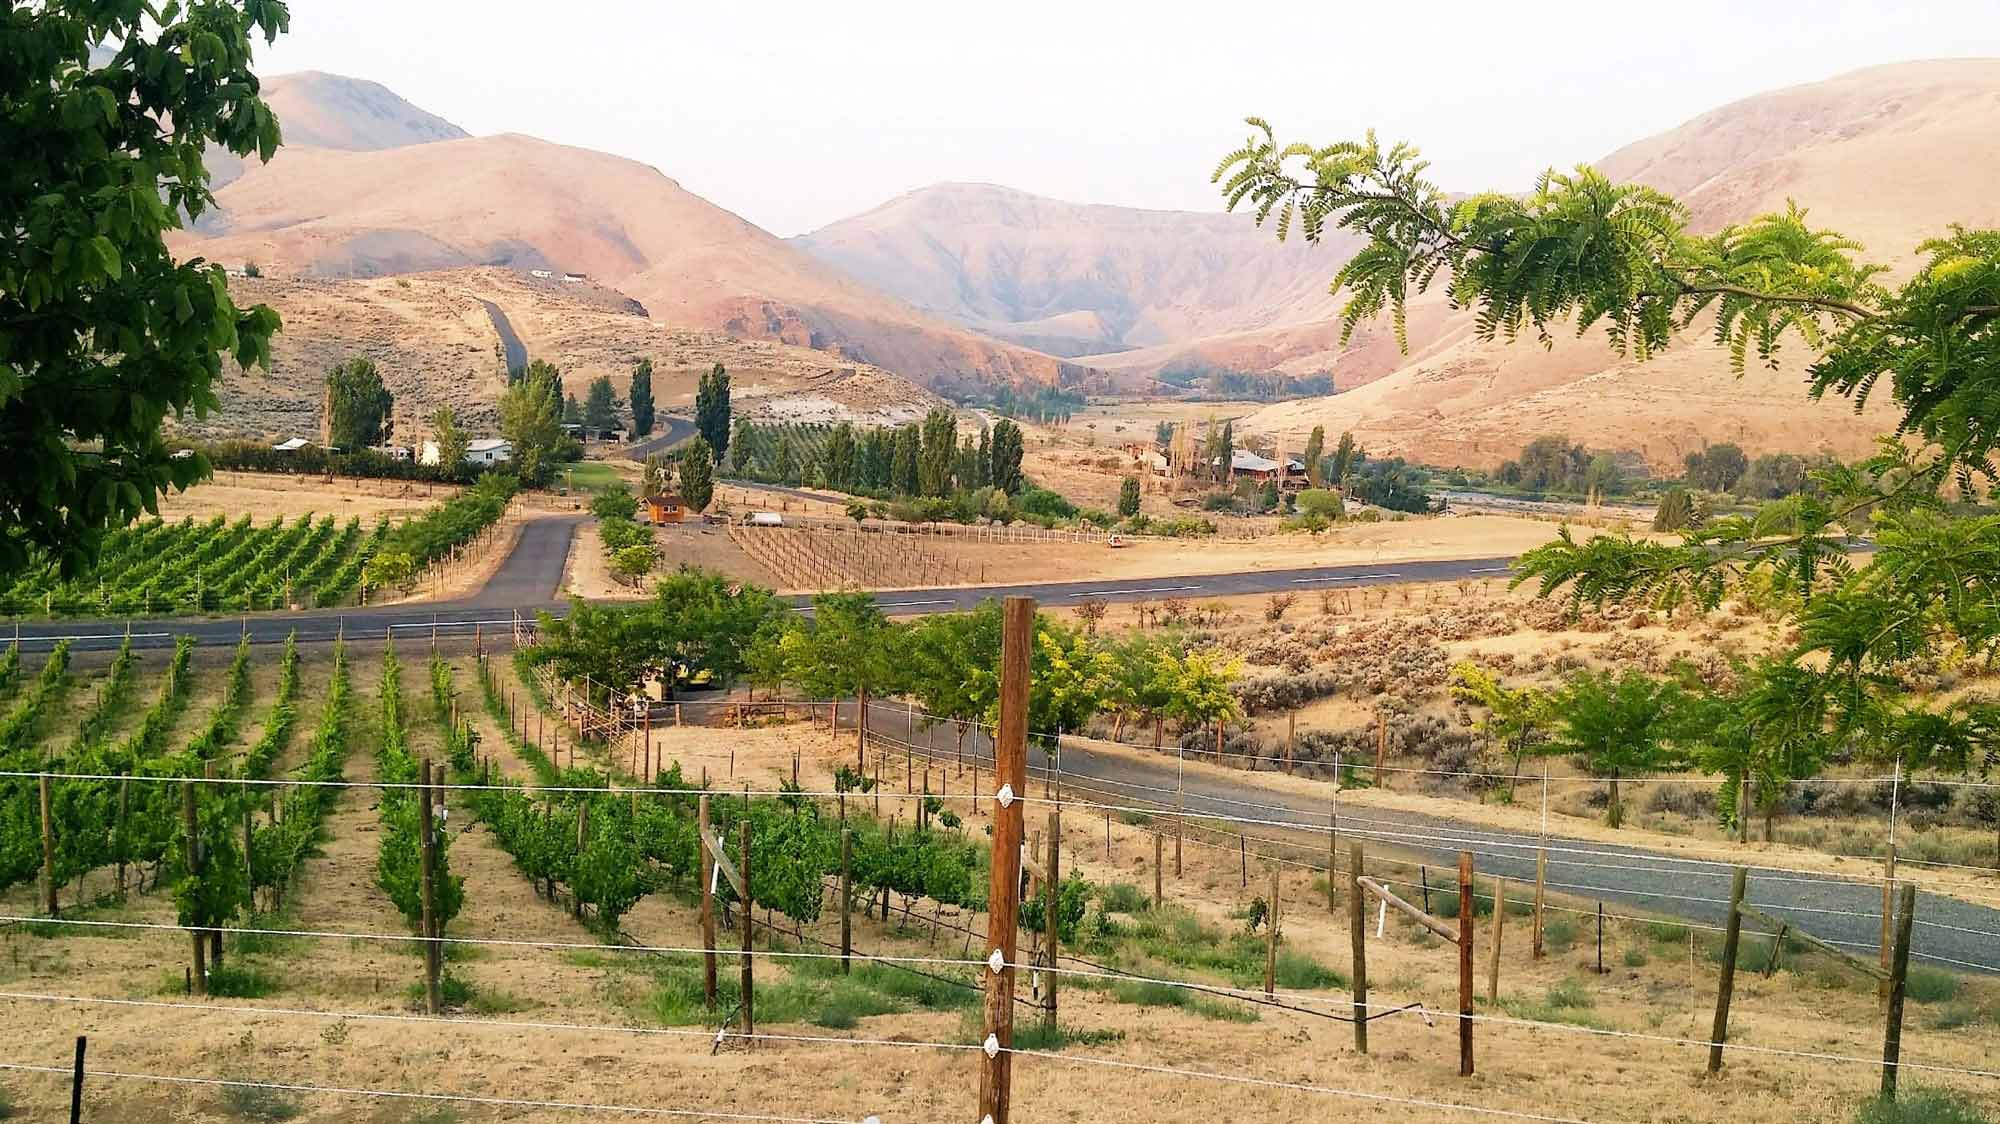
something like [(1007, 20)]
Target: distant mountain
[(439, 338), (318, 110), (1889, 155), (1078, 279), (371, 186)]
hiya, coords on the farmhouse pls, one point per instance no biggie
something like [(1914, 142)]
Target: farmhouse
[(486, 451), (1245, 464), (542, 274), (394, 452), (292, 445)]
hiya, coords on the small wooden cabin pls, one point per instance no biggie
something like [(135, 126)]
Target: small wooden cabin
[(665, 508)]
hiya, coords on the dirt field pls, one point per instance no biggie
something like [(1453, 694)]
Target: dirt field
[(567, 1018), (266, 496)]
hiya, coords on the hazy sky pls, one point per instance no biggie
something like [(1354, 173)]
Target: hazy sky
[(794, 115)]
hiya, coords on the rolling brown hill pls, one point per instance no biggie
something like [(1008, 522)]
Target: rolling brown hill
[(437, 342), (1888, 155), (1079, 279), (526, 203)]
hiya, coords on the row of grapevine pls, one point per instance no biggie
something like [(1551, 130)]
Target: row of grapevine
[(280, 846), (398, 864), (10, 670), (278, 721), (112, 697), (94, 821), (209, 566), (18, 727), (221, 729), (609, 850)]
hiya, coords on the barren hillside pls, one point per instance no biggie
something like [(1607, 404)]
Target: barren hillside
[(436, 343), (521, 202), (317, 110), (1889, 155), (1075, 278)]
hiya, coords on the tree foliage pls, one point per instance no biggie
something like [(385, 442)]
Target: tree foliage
[(1620, 258), (601, 408), (531, 420), (641, 397), (697, 472), (712, 410), (102, 333), (358, 405)]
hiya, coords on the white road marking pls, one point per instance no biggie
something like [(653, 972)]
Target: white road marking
[(1344, 578), (1493, 570), (104, 636), (910, 604), (1116, 592)]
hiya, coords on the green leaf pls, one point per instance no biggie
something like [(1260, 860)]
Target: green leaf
[(106, 257)]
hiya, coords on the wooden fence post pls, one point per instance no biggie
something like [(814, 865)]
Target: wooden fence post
[(191, 856), (1541, 884), (1358, 927), (1052, 910), (1271, 938), (749, 924), (1899, 974), (1888, 914), (1466, 908), (1731, 939), (1010, 752), (214, 935), (1499, 927), (707, 908), (48, 848), (1159, 841), (846, 900), (427, 874)]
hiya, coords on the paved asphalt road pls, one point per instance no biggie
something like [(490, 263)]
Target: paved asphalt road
[(1626, 879), (527, 583), (677, 431), (1837, 909)]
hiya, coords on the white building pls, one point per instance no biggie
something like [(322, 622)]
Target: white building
[(485, 451), (291, 445), (394, 452)]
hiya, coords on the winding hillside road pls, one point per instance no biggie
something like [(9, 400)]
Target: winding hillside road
[(1846, 911)]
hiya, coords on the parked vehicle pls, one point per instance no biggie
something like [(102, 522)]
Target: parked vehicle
[(763, 519)]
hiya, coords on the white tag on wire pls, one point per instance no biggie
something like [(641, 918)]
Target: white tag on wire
[(1381, 918), (992, 1048), (1005, 796), (996, 962)]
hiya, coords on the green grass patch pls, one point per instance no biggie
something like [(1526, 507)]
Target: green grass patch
[(589, 475), (809, 991), (1559, 934), (1666, 932), (1039, 1035), (1922, 1106), (258, 940), (1932, 985), (1123, 897), (1567, 1002), (248, 1102), (232, 980), (1635, 957)]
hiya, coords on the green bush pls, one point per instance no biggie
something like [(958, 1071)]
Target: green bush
[(1123, 897), (1922, 1106), (1932, 985)]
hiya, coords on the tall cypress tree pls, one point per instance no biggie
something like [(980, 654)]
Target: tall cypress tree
[(938, 445), (1007, 449), (711, 409), (903, 473), (641, 397)]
